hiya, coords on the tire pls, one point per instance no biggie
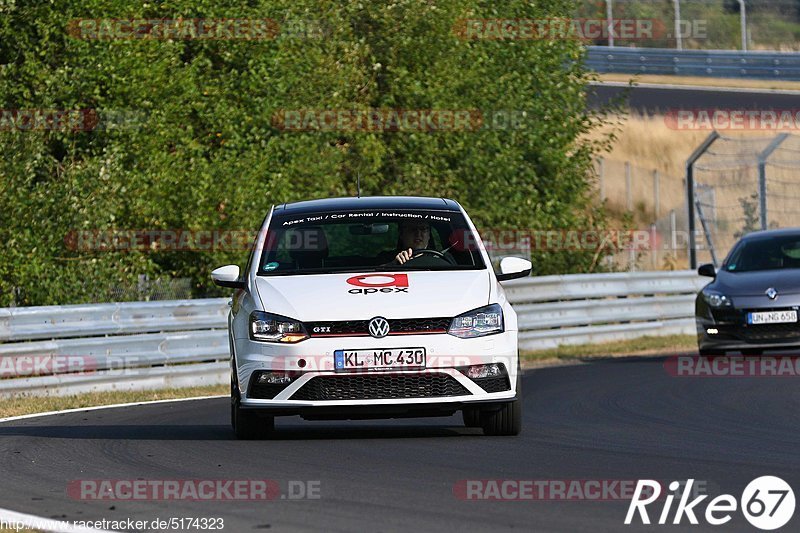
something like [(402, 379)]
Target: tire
[(507, 420), (247, 423), (472, 418)]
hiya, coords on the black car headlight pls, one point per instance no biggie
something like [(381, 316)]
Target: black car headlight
[(267, 327), (478, 322), (716, 299)]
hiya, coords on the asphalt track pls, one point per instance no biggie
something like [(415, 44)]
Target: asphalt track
[(607, 420), (652, 100)]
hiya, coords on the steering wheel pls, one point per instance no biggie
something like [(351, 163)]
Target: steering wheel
[(423, 251)]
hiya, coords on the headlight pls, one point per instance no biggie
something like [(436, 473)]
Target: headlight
[(267, 327), (715, 299), (478, 322)]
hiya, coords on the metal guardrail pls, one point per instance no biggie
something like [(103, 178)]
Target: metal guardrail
[(127, 346), (587, 308), (713, 63), (61, 322), (120, 346)]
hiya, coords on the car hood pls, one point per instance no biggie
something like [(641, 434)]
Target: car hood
[(362, 296), (755, 283)]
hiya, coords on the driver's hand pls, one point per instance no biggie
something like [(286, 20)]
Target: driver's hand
[(404, 256)]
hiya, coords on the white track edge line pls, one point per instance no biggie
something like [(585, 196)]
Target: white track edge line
[(111, 406), (45, 524)]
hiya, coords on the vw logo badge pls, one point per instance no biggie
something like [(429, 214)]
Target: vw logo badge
[(378, 327), (772, 293)]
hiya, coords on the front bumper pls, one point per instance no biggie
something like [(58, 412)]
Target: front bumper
[(445, 355), (734, 334)]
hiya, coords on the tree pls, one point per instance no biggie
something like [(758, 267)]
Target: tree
[(202, 151)]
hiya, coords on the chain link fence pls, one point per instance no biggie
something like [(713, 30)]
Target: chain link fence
[(743, 185), (655, 207), (701, 24)]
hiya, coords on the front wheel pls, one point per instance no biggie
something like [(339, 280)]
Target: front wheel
[(505, 421), (508, 419), (247, 423)]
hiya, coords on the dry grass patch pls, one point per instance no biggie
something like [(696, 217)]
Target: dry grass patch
[(734, 83), (23, 405), (661, 345)]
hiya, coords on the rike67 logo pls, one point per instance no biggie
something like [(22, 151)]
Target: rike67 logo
[(767, 503), (375, 283)]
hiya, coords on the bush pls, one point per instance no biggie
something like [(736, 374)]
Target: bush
[(200, 150)]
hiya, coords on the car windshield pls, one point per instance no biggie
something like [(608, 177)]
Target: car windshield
[(765, 254), (359, 241)]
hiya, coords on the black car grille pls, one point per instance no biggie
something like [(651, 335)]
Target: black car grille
[(767, 332), (379, 387), (397, 326), (496, 384)]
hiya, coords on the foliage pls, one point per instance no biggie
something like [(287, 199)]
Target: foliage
[(200, 150)]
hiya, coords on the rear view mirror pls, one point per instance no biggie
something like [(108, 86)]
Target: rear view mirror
[(513, 268), (369, 229), (228, 276)]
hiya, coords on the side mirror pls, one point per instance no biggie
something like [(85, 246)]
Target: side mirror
[(228, 276), (513, 268), (707, 270)]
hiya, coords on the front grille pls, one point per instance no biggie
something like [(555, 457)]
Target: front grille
[(379, 387), (360, 328), (767, 332), (496, 384)]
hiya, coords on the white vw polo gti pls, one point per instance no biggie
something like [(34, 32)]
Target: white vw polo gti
[(372, 307)]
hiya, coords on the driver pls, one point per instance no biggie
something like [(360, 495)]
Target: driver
[(413, 235)]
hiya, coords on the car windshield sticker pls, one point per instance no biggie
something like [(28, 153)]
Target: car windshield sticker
[(271, 266)]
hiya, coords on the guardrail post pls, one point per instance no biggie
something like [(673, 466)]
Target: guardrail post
[(653, 246), (602, 172), (743, 22), (762, 176), (656, 195), (628, 192), (673, 231)]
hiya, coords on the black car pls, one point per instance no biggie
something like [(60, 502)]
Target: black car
[(752, 304)]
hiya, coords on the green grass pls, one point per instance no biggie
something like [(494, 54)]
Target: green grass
[(641, 346), (23, 405)]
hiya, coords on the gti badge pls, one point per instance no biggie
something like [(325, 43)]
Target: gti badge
[(378, 327), (772, 293)]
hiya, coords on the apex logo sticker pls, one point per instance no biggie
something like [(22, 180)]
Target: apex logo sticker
[(375, 283)]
